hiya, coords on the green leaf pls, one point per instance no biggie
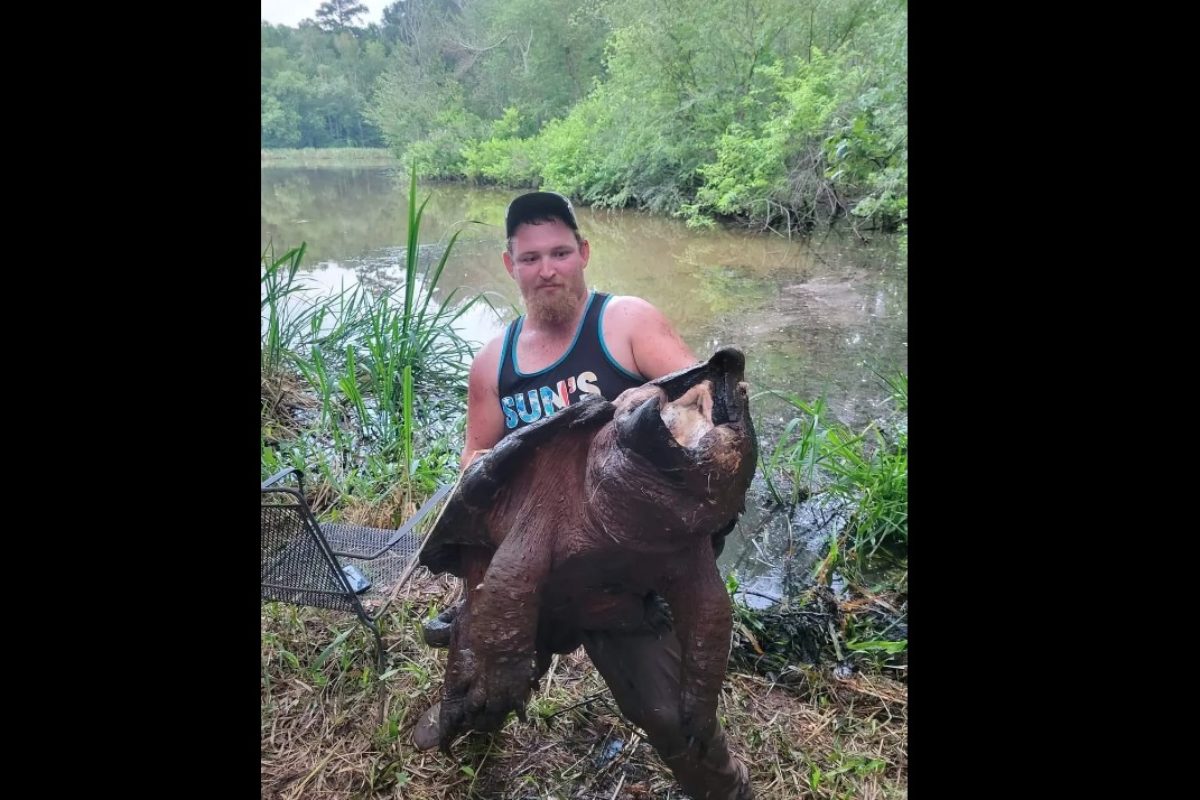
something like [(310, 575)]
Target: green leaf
[(341, 637), (880, 646)]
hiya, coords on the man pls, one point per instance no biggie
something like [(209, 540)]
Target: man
[(573, 342)]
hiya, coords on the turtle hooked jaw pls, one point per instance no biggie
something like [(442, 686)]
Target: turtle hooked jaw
[(676, 418)]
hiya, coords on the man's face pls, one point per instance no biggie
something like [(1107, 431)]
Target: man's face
[(547, 264)]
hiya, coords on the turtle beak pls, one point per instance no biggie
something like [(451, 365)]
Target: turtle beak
[(726, 375), (644, 431), (668, 434), (671, 425)]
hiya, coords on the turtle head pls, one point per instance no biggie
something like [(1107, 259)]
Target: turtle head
[(694, 425)]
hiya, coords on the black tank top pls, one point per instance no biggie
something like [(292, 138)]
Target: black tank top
[(586, 368)]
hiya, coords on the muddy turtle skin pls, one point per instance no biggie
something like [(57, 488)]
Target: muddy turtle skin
[(581, 521)]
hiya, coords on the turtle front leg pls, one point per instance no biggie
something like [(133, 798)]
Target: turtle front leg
[(461, 667), (703, 624), (504, 622)]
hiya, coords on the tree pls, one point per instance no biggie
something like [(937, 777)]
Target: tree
[(401, 22), (338, 15)]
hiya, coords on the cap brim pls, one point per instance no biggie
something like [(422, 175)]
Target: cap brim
[(538, 205)]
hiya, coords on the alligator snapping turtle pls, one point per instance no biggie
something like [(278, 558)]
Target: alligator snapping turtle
[(577, 521)]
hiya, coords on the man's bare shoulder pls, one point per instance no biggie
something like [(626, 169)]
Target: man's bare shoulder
[(491, 350), (485, 366), (655, 347), (630, 305), (627, 316)]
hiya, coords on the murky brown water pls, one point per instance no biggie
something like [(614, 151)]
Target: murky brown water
[(811, 317)]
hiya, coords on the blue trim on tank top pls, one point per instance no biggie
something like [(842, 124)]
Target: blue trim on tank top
[(604, 346), (503, 351), (563, 357)]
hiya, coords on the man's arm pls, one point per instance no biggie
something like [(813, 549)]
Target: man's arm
[(642, 339), (485, 421)]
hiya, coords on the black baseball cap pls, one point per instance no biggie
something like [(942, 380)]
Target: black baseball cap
[(538, 205)]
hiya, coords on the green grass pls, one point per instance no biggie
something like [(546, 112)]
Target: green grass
[(366, 388), (332, 727), (868, 469)]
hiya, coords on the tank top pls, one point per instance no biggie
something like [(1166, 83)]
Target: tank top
[(586, 368)]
